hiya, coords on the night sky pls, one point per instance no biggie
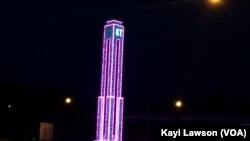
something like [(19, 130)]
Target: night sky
[(174, 49)]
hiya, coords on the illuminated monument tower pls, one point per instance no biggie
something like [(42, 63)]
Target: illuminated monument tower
[(110, 102)]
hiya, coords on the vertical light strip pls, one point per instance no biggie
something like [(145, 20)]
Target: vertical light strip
[(117, 120), (98, 124), (121, 101), (110, 87), (121, 63), (121, 119), (103, 77), (116, 82), (102, 118), (107, 85), (105, 74), (105, 48), (114, 73)]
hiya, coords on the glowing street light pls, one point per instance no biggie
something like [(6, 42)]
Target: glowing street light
[(9, 106), (178, 104), (68, 100), (215, 2)]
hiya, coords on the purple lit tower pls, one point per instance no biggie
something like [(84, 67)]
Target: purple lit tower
[(110, 102)]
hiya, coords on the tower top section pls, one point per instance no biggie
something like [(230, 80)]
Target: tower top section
[(114, 22), (114, 29)]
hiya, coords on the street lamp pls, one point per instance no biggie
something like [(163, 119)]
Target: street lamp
[(215, 2), (178, 104), (9, 106), (68, 100)]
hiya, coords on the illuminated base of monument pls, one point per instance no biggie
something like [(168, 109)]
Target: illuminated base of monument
[(114, 108)]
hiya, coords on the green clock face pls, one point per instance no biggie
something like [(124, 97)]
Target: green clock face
[(118, 32), (108, 32)]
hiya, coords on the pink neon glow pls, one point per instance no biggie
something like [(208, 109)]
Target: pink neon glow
[(113, 21), (110, 102)]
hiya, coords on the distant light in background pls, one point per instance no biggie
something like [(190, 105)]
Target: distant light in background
[(178, 104), (215, 2), (9, 106), (68, 100)]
